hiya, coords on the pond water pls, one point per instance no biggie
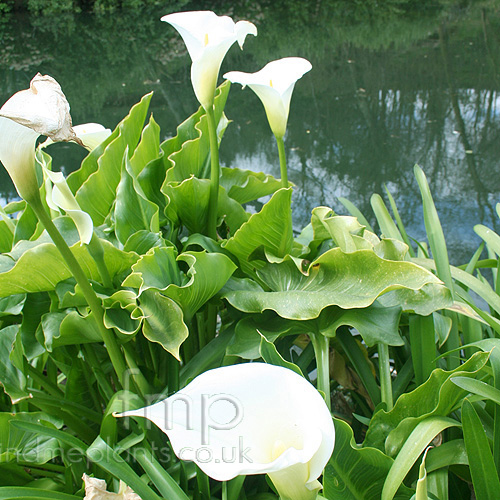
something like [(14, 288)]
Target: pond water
[(388, 89)]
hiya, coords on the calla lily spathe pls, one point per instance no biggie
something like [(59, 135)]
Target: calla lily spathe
[(40, 110), (250, 418), (208, 37), (274, 85), (58, 194), (95, 489), (90, 135)]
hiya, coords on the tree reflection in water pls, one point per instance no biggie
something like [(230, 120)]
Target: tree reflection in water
[(390, 87)]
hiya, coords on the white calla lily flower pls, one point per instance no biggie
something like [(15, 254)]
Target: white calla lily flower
[(250, 418), (274, 85), (208, 37), (40, 110), (59, 196)]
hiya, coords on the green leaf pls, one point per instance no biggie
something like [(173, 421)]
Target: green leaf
[(68, 328), (188, 205), (355, 473), (434, 230), (446, 454), (13, 475), (353, 210), (482, 288), (133, 211), (246, 342), (141, 241), (163, 321), (188, 152), (348, 280), (156, 269), (97, 191), (6, 237), (247, 185), (25, 445), (399, 222), (416, 443), (438, 396), (35, 306), (120, 401), (423, 346), (443, 325), (148, 148), (421, 493), (37, 266), (44, 430), (270, 228), (206, 275), (482, 468), (11, 378), (12, 305), (387, 225), (341, 228), (151, 180), (270, 355), (477, 387), (491, 238), (104, 456), (166, 485), (20, 492), (375, 323), (26, 225), (118, 312), (209, 357)]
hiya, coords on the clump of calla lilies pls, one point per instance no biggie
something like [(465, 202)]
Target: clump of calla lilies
[(250, 418)]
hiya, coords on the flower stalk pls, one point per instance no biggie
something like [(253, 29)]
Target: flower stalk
[(97, 253), (214, 175), (385, 376), (321, 345), (282, 157), (93, 301)]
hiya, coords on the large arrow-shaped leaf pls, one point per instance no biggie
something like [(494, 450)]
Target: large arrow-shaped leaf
[(348, 280)]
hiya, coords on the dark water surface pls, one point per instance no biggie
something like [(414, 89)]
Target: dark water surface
[(388, 89)]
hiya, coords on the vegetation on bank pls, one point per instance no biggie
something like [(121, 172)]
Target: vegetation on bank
[(353, 10)]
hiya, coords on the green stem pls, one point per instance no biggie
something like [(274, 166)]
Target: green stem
[(93, 301), (385, 375), (173, 374), (94, 394), (136, 373), (358, 359), (97, 253), (283, 171), (214, 174), (91, 359), (321, 345)]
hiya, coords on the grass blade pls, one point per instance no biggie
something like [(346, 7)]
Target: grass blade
[(482, 468), (434, 230)]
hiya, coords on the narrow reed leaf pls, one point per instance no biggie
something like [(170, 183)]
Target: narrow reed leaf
[(482, 468)]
